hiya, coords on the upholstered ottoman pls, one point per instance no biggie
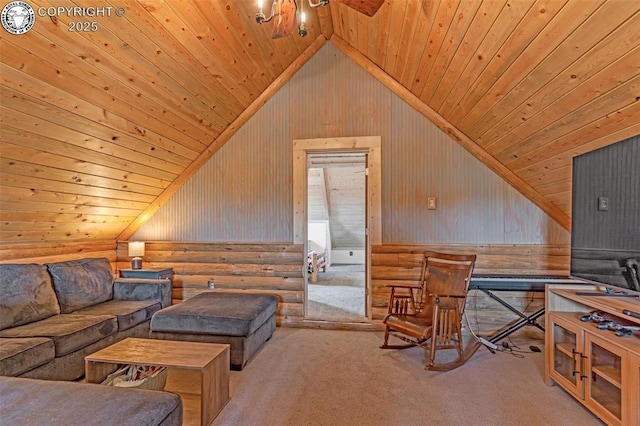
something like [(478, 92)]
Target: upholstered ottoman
[(244, 321)]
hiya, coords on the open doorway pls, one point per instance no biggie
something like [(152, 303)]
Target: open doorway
[(369, 145), (336, 236)]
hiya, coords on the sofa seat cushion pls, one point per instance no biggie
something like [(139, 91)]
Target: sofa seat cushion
[(81, 283), (19, 355), (217, 313), (129, 313), (46, 402), (26, 295), (69, 332)]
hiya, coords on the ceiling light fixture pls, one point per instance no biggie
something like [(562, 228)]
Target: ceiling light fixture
[(284, 12)]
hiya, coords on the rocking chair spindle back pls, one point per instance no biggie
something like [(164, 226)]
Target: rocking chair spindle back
[(431, 316)]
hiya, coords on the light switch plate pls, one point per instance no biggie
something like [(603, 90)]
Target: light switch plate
[(603, 204), (432, 203)]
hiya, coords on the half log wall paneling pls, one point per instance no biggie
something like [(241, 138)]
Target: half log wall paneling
[(401, 264), (57, 252), (277, 269), (266, 268)]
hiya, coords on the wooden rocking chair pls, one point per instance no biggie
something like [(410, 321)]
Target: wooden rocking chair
[(430, 316)]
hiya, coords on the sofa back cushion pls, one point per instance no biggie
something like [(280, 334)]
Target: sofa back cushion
[(81, 283), (26, 295)]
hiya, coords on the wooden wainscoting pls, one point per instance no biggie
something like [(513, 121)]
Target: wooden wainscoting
[(277, 268), (401, 264), (268, 268)]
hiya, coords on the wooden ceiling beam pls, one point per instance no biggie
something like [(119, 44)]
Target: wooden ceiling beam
[(501, 170), (223, 138)]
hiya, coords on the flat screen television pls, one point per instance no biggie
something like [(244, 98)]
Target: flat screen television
[(605, 217)]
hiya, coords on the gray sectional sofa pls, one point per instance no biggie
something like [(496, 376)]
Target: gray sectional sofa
[(46, 402), (53, 315)]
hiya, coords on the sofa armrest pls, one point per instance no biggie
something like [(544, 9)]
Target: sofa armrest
[(143, 289)]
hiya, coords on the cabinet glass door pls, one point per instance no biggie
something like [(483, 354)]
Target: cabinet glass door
[(567, 359), (604, 388)]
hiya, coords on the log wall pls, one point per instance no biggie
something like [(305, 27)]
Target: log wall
[(400, 264), (278, 269), (266, 268)]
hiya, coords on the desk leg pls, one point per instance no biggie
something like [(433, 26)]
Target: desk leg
[(530, 320), (524, 319)]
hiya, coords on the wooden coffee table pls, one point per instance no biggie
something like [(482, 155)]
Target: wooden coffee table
[(207, 363)]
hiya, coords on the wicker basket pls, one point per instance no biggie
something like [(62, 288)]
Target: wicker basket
[(138, 376)]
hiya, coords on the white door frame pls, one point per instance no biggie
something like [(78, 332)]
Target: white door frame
[(371, 145)]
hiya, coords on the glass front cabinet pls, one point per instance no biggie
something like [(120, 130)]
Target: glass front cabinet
[(567, 357), (589, 364), (634, 394), (604, 370), (596, 366)]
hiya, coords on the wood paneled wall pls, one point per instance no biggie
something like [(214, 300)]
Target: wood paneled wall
[(474, 204), (244, 193), (100, 128), (278, 268), (531, 83), (401, 264), (57, 252), (267, 268)]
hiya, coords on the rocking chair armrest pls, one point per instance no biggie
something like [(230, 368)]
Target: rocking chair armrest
[(404, 304), (410, 291)]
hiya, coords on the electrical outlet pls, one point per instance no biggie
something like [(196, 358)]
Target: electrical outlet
[(211, 284), (603, 204), (432, 203)]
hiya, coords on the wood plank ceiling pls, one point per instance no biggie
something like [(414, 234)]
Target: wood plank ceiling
[(102, 127)]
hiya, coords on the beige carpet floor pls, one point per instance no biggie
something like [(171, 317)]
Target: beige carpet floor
[(338, 295), (333, 377)]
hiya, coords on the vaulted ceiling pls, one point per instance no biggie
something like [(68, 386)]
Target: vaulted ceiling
[(108, 124)]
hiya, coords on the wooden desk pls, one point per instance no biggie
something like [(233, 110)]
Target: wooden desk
[(209, 362)]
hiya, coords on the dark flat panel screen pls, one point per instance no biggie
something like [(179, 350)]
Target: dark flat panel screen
[(605, 235)]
